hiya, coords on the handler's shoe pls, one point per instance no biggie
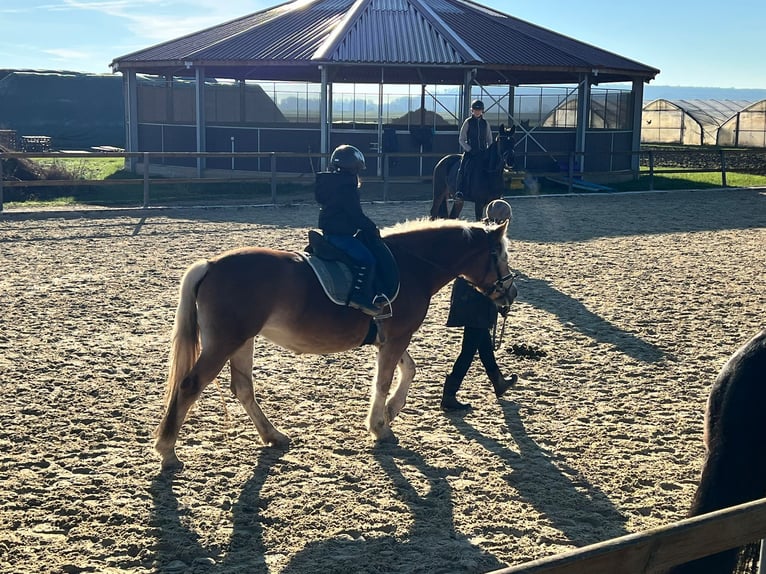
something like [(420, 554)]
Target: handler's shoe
[(451, 404), (500, 383)]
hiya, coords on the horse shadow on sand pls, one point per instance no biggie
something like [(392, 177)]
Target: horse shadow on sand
[(573, 314), (180, 549), (581, 512), (431, 545)]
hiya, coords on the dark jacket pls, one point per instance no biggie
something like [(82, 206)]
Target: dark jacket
[(469, 308), (477, 127), (341, 213)]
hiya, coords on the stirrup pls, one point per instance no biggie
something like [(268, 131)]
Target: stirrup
[(381, 301)]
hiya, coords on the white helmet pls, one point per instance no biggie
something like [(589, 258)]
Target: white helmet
[(498, 211)]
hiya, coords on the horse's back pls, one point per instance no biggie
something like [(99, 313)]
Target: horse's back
[(274, 293)]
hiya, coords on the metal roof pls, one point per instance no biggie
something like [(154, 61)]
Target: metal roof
[(424, 41)]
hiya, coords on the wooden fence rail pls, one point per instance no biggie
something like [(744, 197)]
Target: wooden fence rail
[(654, 551), (570, 178)]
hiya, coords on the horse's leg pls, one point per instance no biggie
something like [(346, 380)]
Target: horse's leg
[(207, 367), (478, 207), (242, 386), (396, 401), (389, 355), (439, 204), (457, 207)]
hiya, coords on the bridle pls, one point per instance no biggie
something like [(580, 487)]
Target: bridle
[(499, 285)]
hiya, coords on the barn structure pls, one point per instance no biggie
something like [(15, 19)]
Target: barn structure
[(384, 75)]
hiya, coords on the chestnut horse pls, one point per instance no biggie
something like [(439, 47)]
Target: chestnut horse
[(734, 471), (228, 300), (485, 184)]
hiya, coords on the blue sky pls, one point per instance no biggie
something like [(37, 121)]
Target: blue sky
[(692, 43)]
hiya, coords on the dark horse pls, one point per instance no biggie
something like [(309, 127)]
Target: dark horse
[(734, 471), (228, 300), (485, 184)]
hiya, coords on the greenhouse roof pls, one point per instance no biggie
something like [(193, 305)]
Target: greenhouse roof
[(709, 112)]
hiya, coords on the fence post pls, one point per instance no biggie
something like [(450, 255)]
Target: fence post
[(571, 172), (273, 158), (146, 180), (385, 178), (651, 170), (723, 169), (1, 183)]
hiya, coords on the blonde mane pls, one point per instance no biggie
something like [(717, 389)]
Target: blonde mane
[(425, 223)]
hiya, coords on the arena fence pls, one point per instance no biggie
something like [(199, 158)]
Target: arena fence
[(159, 168), (654, 551)]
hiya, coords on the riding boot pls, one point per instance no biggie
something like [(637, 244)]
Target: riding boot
[(460, 183), (500, 383), (361, 292), (449, 402)]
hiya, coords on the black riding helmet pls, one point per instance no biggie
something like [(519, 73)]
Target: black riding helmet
[(477, 105), (348, 158)]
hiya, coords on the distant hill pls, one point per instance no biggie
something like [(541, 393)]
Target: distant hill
[(693, 93)]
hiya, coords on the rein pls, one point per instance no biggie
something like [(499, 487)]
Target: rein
[(495, 341)]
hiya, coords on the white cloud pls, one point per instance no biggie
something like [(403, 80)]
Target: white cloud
[(68, 54), (161, 20)]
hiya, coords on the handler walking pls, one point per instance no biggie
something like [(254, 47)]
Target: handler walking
[(477, 314)]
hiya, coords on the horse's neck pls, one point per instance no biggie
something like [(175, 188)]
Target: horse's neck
[(447, 263)]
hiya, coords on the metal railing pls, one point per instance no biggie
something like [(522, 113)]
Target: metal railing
[(147, 162)]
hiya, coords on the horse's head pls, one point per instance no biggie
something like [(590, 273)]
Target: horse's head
[(505, 143), (492, 276)]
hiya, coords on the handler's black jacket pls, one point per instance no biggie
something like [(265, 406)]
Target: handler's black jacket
[(469, 308), (341, 212)]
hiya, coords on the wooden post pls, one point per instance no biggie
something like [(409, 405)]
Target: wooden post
[(273, 159), (723, 169), (385, 177), (1, 183), (146, 180), (651, 170)]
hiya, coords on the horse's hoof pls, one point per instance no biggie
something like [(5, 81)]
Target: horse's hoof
[(388, 438), (278, 440), (171, 464)]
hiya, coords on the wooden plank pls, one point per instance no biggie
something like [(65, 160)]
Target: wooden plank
[(654, 551), (580, 184)]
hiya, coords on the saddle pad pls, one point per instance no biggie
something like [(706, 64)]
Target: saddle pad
[(334, 276)]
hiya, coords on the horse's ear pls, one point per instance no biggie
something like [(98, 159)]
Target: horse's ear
[(502, 128), (499, 232), (512, 130)]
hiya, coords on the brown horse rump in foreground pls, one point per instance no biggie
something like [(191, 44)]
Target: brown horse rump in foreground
[(228, 300)]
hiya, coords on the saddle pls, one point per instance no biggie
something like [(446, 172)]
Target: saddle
[(333, 268)]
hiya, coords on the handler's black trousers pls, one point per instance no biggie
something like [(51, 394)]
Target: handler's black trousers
[(474, 340)]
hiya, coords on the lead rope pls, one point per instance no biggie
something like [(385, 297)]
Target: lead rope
[(495, 341)]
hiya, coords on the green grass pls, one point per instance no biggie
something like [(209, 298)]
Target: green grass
[(85, 168), (665, 181)]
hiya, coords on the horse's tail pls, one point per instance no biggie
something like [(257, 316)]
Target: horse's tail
[(185, 342)]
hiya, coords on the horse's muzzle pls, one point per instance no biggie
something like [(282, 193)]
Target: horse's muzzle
[(503, 291)]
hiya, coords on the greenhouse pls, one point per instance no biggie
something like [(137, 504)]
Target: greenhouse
[(689, 122), (747, 128)]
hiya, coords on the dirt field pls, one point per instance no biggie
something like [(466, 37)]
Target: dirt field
[(636, 302)]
